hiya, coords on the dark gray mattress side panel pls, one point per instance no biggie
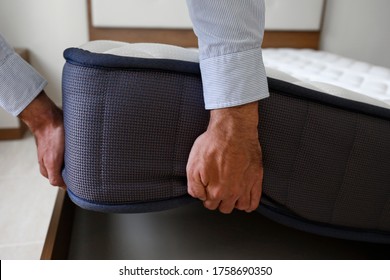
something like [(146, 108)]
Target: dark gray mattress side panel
[(129, 133), (324, 163)]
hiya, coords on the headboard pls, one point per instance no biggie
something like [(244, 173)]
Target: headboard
[(289, 23)]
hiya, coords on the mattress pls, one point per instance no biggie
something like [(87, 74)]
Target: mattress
[(133, 111), (332, 73)]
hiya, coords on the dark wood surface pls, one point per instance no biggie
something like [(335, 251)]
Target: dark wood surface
[(59, 234)]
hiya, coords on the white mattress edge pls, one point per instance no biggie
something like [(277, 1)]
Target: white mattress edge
[(142, 50)]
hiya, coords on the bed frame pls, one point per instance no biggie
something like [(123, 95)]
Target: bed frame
[(186, 37), (58, 237)]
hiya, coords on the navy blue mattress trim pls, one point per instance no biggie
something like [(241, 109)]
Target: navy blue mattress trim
[(287, 218), (325, 99), (141, 207), (108, 61)]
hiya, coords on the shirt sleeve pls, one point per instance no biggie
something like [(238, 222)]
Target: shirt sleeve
[(19, 82), (230, 34)]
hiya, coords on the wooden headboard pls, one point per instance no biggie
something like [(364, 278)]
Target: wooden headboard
[(301, 31)]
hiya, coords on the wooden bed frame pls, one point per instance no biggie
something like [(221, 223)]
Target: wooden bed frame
[(58, 237), (186, 37)]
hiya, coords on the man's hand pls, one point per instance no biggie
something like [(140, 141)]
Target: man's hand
[(224, 168), (45, 121)]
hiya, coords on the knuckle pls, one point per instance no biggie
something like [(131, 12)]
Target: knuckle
[(232, 196), (213, 196), (50, 165), (193, 193), (217, 194), (190, 172), (196, 192)]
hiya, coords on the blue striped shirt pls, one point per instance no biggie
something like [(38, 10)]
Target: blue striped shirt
[(19, 82), (230, 34)]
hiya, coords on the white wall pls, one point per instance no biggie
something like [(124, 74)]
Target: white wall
[(358, 29), (161, 14), (46, 28), (354, 28)]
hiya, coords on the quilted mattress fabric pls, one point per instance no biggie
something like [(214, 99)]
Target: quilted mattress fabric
[(130, 123), (328, 68)]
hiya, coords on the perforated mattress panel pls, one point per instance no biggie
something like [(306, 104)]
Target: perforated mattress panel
[(131, 120)]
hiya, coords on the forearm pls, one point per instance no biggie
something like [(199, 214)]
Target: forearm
[(41, 113), (240, 121)]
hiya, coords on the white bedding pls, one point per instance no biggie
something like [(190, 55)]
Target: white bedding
[(318, 70)]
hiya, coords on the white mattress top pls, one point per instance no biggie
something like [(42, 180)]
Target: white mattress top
[(333, 74), (318, 70)]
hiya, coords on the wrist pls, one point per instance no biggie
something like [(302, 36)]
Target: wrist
[(240, 120), (41, 113)]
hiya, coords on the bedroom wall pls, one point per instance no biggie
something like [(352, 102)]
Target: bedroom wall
[(46, 28), (358, 29)]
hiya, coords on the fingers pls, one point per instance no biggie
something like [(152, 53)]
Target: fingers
[(244, 202), (226, 198), (52, 171), (255, 196), (218, 197), (225, 171), (256, 191), (247, 201), (42, 169), (227, 206), (55, 177), (197, 190), (212, 197), (211, 204), (250, 202), (50, 148), (195, 184)]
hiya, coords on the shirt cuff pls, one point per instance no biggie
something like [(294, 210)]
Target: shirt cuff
[(234, 79), (19, 84)]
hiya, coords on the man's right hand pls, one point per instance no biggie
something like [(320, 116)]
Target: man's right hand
[(224, 168), (45, 120)]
